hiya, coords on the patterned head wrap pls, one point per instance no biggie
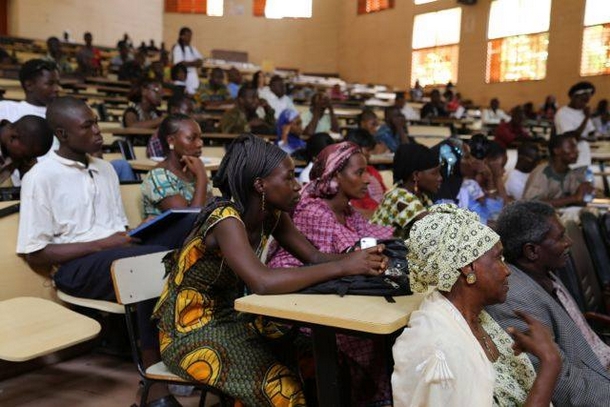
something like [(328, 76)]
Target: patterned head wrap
[(329, 162), (445, 240)]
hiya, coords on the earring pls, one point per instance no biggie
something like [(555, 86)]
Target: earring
[(471, 278), (171, 146), (263, 202), (416, 186)]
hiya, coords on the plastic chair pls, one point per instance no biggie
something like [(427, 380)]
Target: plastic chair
[(138, 279)]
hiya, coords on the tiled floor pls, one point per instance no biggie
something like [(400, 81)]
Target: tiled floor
[(90, 380)]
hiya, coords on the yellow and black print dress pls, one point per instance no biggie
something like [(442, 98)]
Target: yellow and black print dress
[(203, 338)]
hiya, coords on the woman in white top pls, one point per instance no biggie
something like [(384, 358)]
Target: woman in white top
[(453, 353), (184, 52)]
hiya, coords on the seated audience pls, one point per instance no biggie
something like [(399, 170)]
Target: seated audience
[(325, 218), (393, 132), (56, 55), (401, 102), (89, 58), (435, 107), (235, 81), (20, 144), (143, 113), (416, 93), (133, 70), (336, 93), (180, 180), (549, 108), (289, 128), (324, 214), (479, 190), (178, 104), (178, 74), (214, 92), (242, 118), (315, 144), (368, 120), (493, 114), (555, 182), (528, 157), (602, 107), (258, 81), (376, 188), (536, 246), (510, 131), (40, 82), (529, 113), (454, 353), (124, 56), (417, 173), (602, 124), (259, 189), (275, 95), (320, 117)]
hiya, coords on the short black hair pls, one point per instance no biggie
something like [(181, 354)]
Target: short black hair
[(479, 146), (35, 132), (557, 140), (527, 149), (241, 93), (176, 69), (366, 114), (317, 143), (361, 137), (33, 68), (176, 100), (169, 126), (495, 150), (58, 110)]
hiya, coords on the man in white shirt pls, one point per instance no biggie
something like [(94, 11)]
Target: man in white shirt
[(408, 112), (494, 115), (71, 209), (275, 95), (576, 117), (528, 157)]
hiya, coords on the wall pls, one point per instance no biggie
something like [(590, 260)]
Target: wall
[(308, 44), (376, 48), (107, 20)]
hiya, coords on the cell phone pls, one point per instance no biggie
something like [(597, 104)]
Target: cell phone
[(367, 242)]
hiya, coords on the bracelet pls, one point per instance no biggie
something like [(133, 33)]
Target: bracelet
[(491, 191)]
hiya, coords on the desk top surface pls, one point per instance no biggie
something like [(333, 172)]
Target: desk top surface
[(146, 164), (355, 312), (32, 327)]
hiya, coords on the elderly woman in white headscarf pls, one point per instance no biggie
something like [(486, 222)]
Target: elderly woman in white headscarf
[(453, 353)]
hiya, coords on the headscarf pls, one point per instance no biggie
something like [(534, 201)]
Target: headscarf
[(286, 117), (445, 240), (582, 87), (329, 162), (413, 157)]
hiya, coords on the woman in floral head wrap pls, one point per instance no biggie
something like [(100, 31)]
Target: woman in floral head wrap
[(454, 353), (326, 219)]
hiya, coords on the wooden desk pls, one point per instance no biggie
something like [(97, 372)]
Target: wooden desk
[(131, 131), (381, 159), (328, 314), (146, 164), (108, 82), (31, 327)]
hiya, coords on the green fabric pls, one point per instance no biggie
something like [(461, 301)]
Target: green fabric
[(159, 184)]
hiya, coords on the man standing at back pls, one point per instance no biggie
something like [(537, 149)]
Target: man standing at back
[(535, 246)]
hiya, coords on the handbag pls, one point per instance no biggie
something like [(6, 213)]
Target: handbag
[(394, 281)]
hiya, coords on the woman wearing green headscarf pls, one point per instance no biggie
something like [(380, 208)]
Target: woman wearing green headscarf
[(454, 353)]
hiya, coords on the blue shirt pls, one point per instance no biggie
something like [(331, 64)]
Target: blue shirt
[(384, 135), (233, 89)]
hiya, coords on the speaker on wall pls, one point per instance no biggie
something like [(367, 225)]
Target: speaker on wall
[(468, 2)]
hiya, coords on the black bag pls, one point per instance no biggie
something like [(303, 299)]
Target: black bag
[(394, 282)]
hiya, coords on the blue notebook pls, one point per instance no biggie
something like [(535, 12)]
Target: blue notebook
[(160, 222)]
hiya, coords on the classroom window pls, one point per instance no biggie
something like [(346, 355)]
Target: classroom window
[(282, 9), (518, 40), (208, 7), (418, 2), (435, 45), (372, 6), (595, 58)]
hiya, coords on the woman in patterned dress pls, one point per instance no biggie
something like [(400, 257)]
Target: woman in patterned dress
[(180, 180), (454, 353), (416, 176), (202, 337)]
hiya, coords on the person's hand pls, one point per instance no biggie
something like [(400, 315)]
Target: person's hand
[(536, 340), (194, 165), (587, 111), (118, 239), (583, 189), (370, 262), (496, 167)]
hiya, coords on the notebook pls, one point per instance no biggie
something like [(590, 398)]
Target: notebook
[(161, 222)]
